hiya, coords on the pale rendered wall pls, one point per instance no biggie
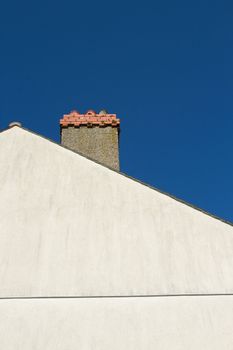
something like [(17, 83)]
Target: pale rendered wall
[(72, 227), (163, 323)]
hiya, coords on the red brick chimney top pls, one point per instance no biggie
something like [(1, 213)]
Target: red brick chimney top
[(90, 118)]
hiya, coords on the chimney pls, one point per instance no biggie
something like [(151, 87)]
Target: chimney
[(93, 135)]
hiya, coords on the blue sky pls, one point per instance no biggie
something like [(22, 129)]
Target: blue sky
[(165, 68)]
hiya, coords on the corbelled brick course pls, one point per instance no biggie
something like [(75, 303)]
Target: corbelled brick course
[(90, 118)]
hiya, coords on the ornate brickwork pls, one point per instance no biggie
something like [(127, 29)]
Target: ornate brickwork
[(91, 118)]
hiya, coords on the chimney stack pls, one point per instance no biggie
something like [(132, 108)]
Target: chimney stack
[(93, 135)]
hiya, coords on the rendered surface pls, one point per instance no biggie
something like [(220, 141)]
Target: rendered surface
[(72, 227), (164, 323), (99, 144), (93, 260)]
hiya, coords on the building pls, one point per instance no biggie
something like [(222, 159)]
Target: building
[(92, 259)]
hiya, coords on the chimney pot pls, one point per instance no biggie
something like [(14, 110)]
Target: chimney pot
[(103, 112)]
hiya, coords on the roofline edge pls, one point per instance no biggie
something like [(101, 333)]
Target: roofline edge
[(126, 175)]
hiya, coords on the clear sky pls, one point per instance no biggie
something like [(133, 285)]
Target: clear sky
[(165, 67)]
